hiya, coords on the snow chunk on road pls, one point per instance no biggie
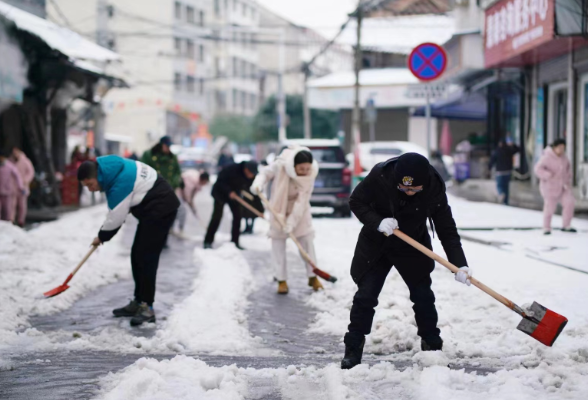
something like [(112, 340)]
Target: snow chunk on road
[(213, 318), (180, 378), (431, 358)]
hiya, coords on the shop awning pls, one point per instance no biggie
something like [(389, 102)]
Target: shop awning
[(461, 106), (67, 42)]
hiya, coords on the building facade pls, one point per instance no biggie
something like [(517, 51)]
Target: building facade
[(166, 56)]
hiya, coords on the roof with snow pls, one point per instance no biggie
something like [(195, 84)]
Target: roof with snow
[(367, 77), (409, 7), (67, 42), (400, 34)]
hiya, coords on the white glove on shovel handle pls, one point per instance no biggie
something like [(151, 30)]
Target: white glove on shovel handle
[(256, 189), (463, 275), (388, 225)]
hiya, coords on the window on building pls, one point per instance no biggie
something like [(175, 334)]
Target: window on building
[(201, 18), (178, 81), (243, 69), (190, 15), (217, 8), (190, 84), (201, 53), (190, 49), (253, 41), (201, 87), (244, 9), (235, 5), (111, 44), (110, 11), (253, 13), (244, 100), (244, 39), (235, 67), (178, 46), (235, 99), (560, 116), (253, 101), (217, 67), (253, 72), (178, 10)]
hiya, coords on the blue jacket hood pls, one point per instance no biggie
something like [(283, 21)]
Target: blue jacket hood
[(109, 167)]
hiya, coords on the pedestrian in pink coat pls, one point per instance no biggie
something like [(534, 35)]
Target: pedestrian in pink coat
[(555, 173), (27, 173), (10, 186)]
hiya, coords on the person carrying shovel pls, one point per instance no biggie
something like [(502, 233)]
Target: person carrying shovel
[(131, 186), (293, 174), (403, 192)]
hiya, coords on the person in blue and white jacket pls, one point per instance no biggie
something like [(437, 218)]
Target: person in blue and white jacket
[(131, 186)]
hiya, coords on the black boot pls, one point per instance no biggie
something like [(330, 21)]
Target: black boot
[(353, 353), (207, 245), (237, 245), (432, 344), (127, 311), (144, 314)]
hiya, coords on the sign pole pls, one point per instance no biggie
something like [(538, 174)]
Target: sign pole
[(428, 117)]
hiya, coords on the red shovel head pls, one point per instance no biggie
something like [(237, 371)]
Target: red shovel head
[(543, 325), (58, 290)]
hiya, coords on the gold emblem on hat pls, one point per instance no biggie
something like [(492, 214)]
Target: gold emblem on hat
[(407, 180)]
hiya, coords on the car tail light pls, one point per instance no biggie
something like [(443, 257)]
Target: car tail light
[(346, 179)]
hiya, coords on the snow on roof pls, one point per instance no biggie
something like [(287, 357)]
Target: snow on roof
[(58, 38), (399, 34), (367, 77)]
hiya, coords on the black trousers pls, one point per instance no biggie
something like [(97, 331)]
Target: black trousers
[(217, 215), (415, 269), (150, 238)]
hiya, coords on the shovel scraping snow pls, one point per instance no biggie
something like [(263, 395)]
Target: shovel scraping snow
[(538, 322), (62, 288)]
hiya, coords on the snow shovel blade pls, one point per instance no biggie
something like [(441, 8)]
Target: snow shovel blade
[(543, 324), (58, 290)]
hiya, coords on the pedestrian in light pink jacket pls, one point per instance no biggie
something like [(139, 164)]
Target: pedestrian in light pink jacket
[(555, 173), (27, 173), (10, 185)]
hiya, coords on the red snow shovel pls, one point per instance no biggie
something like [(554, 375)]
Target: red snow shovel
[(538, 322), (326, 276), (62, 288)]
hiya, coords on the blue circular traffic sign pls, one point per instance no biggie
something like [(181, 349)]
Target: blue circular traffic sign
[(427, 61)]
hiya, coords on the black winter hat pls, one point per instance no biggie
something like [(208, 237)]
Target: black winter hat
[(412, 169), (252, 166)]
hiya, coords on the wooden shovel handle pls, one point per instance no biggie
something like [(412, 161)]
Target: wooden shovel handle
[(283, 224), (455, 269), (84, 259)]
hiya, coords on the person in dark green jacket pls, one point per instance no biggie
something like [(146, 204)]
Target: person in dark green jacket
[(161, 159)]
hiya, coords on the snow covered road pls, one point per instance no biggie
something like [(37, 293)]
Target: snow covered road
[(236, 339)]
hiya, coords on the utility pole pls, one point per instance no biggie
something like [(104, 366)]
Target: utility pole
[(307, 119), (356, 117), (281, 90)]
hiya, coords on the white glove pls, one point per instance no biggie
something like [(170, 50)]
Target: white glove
[(288, 229), (463, 275), (256, 188), (388, 225)]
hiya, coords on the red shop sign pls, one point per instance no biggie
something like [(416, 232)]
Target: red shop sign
[(514, 27)]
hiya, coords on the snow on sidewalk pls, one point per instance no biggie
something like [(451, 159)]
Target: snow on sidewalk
[(34, 262)]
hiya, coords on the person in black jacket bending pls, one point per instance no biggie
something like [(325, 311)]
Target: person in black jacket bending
[(231, 180), (402, 193)]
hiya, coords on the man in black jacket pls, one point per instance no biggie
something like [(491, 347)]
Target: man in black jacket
[(502, 158), (400, 193), (231, 180)]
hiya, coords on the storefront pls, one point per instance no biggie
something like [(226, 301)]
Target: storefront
[(546, 41)]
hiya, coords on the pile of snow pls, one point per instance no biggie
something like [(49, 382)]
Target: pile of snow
[(184, 378), (179, 378), (34, 262)]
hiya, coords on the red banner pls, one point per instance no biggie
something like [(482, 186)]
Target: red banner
[(514, 27)]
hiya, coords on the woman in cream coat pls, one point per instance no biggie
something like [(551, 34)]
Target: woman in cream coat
[(293, 174)]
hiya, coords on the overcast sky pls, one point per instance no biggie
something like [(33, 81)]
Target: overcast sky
[(326, 16)]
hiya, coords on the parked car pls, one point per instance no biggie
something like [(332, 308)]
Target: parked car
[(333, 183), (373, 153), (193, 158)]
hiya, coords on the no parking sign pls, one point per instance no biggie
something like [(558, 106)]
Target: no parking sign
[(427, 61)]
